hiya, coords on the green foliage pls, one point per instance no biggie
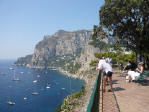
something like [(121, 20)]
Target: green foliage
[(97, 38), (73, 67), (116, 57), (65, 62), (77, 95), (93, 62), (106, 54), (71, 101), (129, 21)]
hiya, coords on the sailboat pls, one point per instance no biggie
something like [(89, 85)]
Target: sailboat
[(48, 86), (15, 78)]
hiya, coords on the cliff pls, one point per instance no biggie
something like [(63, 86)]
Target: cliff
[(57, 50), (24, 61)]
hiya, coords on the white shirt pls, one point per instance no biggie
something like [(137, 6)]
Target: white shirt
[(108, 60), (102, 65)]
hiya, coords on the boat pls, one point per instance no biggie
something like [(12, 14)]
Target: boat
[(25, 98), (16, 79), (35, 93), (48, 87), (63, 88), (35, 81), (22, 72), (11, 68), (38, 76), (11, 103)]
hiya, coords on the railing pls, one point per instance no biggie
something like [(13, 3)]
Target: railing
[(93, 105)]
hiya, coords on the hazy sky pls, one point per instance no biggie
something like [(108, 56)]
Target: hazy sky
[(23, 23)]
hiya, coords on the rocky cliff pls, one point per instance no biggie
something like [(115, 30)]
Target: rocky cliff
[(57, 50), (24, 61)]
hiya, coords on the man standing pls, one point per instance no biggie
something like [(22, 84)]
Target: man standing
[(107, 68)]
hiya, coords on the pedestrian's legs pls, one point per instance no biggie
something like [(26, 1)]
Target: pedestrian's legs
[(104, 85), (110, 78)]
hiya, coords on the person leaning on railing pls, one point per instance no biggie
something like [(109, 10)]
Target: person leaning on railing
[(107, 68)]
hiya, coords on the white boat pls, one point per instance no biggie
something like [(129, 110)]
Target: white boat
[(35, 93), (48, 87), (25, 98), (35, 81), (11, 103), (38, 76), (21, 72), (16, 79), (11, 68), (63, 88)]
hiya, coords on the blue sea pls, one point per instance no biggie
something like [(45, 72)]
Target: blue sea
[(50, 88)]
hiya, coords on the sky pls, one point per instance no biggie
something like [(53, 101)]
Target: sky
[(23, 23)]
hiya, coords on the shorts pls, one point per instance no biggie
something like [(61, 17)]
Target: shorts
[(108, 74)]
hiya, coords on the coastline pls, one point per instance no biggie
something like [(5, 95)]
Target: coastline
[(89, 85), (66, 73), (89, 79)]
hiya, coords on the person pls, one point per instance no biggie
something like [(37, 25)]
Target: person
[(143, 60), (133, 65), (132, 75), (147, 63), (120, 66), (128, 66), (107, 68)]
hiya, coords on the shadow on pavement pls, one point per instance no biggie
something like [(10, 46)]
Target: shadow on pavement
[(114, 82), (143, 82), (118, 89)]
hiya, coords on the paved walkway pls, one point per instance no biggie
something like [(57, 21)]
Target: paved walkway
[(127, 97)]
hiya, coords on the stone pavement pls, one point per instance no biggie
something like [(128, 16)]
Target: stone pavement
[(126, 97)]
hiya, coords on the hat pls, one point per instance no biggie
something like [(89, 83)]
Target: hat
[(140, 63)]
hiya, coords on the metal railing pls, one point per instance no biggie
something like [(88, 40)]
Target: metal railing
[(93, 105)]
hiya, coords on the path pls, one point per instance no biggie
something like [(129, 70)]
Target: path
[(127, 97)]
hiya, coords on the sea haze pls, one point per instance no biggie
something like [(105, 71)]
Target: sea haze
[(52, 87)]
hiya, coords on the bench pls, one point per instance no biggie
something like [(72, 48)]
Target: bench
[(143, 76)]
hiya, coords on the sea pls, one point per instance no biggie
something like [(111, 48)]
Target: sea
[(33, 90)]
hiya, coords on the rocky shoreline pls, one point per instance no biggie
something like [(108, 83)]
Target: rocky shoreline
[(89, 85)]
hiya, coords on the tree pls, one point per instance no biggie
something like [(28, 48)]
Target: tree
[(129, 21), (97, 38)]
